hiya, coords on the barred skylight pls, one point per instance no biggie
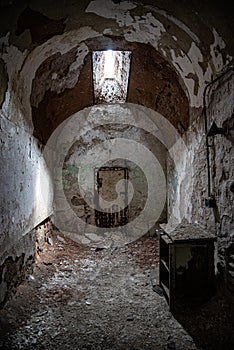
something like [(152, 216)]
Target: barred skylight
[(110, 75)]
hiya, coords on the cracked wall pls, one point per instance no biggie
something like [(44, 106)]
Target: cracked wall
[(220, 219), (26, 200), (46, 76), (152, 84), (94, 138)]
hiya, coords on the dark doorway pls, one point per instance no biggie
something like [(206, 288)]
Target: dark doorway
[(113, 215)]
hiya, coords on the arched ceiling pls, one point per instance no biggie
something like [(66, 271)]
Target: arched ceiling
[(46, 55), (152, 83)]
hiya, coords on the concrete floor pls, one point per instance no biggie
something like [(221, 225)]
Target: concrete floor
[(89, 298), (83, 298)]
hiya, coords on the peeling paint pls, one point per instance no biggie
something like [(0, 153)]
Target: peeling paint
[(35, 58), (58, 73), (107, 9), (18, 168), (178, 23), (216, 51), (145, 29), (147, 26), (26, 188), (192, 73)]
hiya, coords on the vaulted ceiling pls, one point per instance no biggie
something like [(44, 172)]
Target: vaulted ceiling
[(47, 53), (153, 84)]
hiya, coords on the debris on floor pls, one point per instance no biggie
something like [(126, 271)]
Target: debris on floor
[(85, 298)]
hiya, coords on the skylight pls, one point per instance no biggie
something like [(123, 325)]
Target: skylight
[(110, 75), (109, 64)]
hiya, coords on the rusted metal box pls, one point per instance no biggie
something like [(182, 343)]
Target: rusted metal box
[(186, 272)]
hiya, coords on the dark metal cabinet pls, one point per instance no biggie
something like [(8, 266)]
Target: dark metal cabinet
[(186, 272)]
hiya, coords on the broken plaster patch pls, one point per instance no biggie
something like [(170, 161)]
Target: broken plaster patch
[(59, 84), (145, 29), (12, 57), (65, 43), (108, 9), (150, 25), (177, 22), (189, 67), (216, 51)]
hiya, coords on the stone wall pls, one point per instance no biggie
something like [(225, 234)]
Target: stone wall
[(221, 110), (94, 139), (193, 174), (26, 201), (17, 264), (46, 76), (122, 135), (25, 183)]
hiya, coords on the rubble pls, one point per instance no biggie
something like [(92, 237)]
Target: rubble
[(88, 299)]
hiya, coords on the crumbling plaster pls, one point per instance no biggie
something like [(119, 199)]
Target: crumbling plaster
[(136, 23), (159, 89), (94, 139), (193, 49), (26, 190), (26, 200), (105, 133), (195, 61), (220, 219)]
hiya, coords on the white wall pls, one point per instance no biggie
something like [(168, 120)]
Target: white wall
[(25, 194)]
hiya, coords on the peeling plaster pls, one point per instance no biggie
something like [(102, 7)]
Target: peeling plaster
[(82, 50), (13, 59), (51, 80), (216, 51), (147, 24), (148, 29), (107, 9), (177, 22), (26, 195), (65, 43), (143, 29), (192, 73)]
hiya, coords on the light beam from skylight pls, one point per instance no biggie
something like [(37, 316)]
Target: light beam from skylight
[(109, 65)]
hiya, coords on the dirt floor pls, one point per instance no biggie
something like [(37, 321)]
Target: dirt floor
[(88, 298)]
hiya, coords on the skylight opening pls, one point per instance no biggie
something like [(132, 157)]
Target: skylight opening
[(109, 65), (111, 75)]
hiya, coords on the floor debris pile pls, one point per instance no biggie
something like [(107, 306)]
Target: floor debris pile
[(87, 298)]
